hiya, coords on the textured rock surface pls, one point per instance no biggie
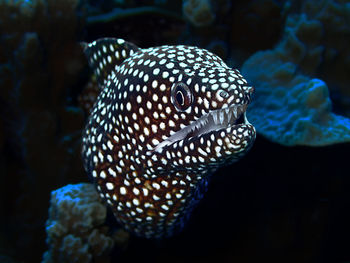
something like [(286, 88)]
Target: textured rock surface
[(290, 106), (198, 12), (40, 63), (76, 227)]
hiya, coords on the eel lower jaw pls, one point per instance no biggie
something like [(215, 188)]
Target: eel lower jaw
[(214, 121)]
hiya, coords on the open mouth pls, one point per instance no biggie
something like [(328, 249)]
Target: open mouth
[(212, 121)]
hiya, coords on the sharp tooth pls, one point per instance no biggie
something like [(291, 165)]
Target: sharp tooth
[(215, 117), (229, 114), (221, 116), (235, 112)]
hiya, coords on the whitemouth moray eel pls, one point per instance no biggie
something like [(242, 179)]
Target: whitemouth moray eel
[(167, 117)]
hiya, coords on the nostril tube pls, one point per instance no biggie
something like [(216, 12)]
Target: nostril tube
[(250, 90), (249, 93)]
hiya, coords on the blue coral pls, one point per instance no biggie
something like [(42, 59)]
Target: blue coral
[(290, 107), (75, 228)]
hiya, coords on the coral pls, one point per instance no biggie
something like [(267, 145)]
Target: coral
[(290, 107), (120, 13), (75, 228), (198, 12), (243, 26), (134, 23), (40, 66)]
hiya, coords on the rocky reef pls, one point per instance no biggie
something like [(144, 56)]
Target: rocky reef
[(40, 65), (76, 229), (292, 106)]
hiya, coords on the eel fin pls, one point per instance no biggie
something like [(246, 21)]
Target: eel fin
[(105, 54)]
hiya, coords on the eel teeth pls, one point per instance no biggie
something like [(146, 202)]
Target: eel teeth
[(221, 116), (234, 110), (215, 120)]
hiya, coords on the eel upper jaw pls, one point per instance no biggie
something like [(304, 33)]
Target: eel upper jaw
[(215, 120)]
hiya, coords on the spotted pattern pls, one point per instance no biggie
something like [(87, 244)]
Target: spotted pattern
[(166, 118)]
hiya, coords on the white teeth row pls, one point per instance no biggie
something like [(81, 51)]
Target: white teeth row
[(215, 118), (228, 113), (219, 116), (201, 125), (235, 112)]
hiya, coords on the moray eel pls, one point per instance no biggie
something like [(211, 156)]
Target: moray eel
[(166, 118)]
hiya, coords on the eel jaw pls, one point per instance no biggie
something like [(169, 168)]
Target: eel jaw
[(216, 120)]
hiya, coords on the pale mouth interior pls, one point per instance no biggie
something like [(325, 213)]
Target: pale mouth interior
[(212, 121)]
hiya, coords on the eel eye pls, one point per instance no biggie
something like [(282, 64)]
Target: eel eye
[(181, 96)]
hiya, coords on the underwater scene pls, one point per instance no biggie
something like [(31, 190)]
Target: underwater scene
[(175, 131)]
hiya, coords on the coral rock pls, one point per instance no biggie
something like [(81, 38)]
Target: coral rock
[(198, 12), (75, 226), (292, 106)]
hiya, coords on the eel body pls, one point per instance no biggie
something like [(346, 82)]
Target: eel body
[(166, 118)]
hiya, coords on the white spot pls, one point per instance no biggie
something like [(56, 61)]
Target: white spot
[(170, 65), (156, 185), (165, 207), (137, 180), (109, 186), (136, 202), (168, 110), (145, 192), (103, 174), (136, 191), (149, 105), (128, 106), (154, 83), (154, 128), (155, 142), (123, 190), (165, 74), (155, 97), (156, 71), (112, 172)]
